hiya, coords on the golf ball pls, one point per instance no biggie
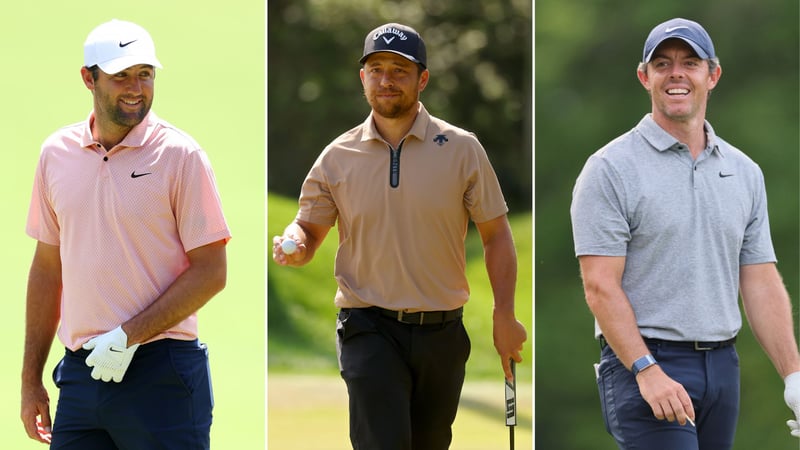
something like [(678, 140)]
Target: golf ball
[(289, 246)]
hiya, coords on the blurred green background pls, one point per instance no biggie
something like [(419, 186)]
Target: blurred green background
[(212, 86), (586, 93), (479, 57)]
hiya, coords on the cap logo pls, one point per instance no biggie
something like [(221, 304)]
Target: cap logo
[(671, 29), (389, 30), (127, 43), (388, 41)]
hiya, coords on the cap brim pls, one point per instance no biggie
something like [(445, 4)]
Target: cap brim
[(119, 64), (404, 55), (697, 49)]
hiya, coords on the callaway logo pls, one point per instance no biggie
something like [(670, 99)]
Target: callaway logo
[(137, 175), (725, 175), (389, 30), (671, 29), (127, 43), (440, 139), (388, 41)]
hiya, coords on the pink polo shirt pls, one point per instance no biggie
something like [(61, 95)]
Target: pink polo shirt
[(124, 220)]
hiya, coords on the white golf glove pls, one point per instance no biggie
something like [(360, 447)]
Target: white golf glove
[(110, 355), (792, 396)]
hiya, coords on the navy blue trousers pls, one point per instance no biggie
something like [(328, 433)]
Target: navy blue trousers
[(710, 377), (163, 402), (403, 381)]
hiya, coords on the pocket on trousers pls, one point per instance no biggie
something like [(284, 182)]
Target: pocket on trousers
[(192, 370), (605, 387), (58, 373), (349, 324)]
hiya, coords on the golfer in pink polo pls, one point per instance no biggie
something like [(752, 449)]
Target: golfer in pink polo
[(131, 243)]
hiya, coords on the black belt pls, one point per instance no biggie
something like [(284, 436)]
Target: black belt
[(421, 317), (694, 345)]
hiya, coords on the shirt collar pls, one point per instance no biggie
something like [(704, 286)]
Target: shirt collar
[(661, 140), (137, 137), (418, 129)]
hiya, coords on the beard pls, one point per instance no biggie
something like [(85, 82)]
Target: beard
[(128, 119), (392, 108), (111, 110)]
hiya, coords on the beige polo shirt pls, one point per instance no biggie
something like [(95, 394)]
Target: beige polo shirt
[(124, 220), (402, 247)]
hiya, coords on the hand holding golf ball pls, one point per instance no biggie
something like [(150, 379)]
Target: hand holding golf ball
[(289, 246)]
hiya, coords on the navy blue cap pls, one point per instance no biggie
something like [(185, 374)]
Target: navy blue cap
[(689, 31), (396, 38)]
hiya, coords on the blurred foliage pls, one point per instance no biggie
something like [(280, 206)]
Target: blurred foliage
[(479, 57), (586, 93)]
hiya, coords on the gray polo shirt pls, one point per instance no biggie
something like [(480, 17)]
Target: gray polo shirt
[(685, 227)]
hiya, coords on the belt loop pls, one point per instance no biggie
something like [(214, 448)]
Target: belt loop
[(421, 317), (400, 315)]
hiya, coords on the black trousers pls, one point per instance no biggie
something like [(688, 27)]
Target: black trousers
[(404, 381)]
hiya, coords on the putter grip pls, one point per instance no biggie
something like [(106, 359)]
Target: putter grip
[(511, 398)]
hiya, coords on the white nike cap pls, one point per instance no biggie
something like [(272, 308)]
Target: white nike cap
[(687, 30), (116, 45)]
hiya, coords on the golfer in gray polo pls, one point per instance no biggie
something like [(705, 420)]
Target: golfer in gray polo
[(670, 224)]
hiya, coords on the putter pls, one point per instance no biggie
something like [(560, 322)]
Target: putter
[(511, 404)]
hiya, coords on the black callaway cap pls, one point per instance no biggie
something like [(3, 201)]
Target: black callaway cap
[(396, 38)]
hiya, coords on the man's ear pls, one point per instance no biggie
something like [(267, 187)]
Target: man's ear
[(423, 80), (88, 79), (644, 79), (714, 77)]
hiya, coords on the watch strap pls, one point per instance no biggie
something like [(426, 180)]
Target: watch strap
[(643, 363)]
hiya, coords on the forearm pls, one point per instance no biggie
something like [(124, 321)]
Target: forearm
[(187, 294), (501, 267), (42, 314), (602, 284), (617, 322), (769, 312)]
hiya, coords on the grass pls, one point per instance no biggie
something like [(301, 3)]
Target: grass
[(309, 412)]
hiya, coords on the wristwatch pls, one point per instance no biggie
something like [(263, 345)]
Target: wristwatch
[(643, 363)]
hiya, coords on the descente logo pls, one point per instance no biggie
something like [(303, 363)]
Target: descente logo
[(390, 30)]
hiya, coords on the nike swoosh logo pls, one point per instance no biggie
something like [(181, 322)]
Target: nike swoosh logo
[(725, 175), (388, 41), (137, 175), (127, 43), (112, 349), (671, 29)]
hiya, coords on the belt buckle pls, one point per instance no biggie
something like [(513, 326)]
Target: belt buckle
[(700, 348), (421, 318)]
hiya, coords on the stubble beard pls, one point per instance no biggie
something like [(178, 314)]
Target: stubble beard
[(115, 114), (126, 119), (393, 109)]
